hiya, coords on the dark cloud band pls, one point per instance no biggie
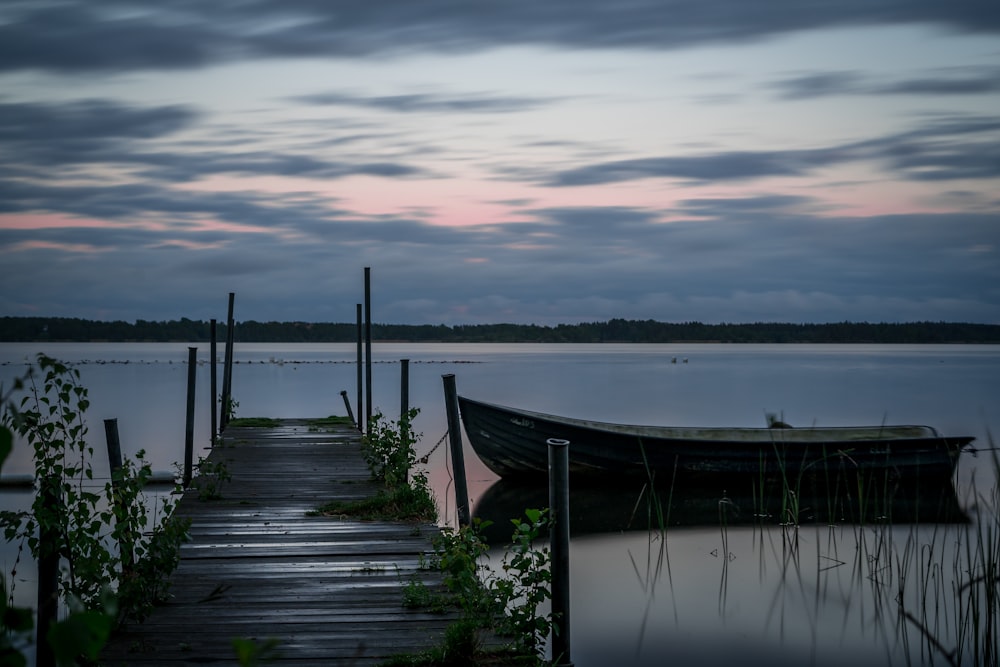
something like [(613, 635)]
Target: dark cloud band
[(80, 35)]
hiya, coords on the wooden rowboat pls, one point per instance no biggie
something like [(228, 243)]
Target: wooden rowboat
[(512, 443)]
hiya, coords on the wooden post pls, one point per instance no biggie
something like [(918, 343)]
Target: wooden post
[(404, 389), (214, 388), (189, 429), (227, 369), (114, 446), (48, 574), (347, 406), (457, 455), (368, 345), (559, 546), (404, 404), (361, 381), (126, 550)]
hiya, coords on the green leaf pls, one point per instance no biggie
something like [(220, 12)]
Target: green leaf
[(17, 619), (12, 658), (83, 633)]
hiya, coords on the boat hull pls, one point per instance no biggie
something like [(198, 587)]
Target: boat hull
[(512, 443)]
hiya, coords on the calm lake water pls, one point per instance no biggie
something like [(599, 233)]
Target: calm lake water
[(699, 592)]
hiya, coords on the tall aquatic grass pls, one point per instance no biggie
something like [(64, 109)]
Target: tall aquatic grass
[(657, 519), (927, 590), (932, 588)]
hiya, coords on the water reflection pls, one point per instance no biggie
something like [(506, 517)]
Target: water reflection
[(778, 580), (724, 501)]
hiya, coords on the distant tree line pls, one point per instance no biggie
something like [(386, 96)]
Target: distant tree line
[(35, 329)]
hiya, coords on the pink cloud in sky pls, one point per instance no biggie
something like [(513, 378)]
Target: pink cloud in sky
[(80, 248), (49, 221)]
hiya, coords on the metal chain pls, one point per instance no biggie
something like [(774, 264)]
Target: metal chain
[(423, 459)]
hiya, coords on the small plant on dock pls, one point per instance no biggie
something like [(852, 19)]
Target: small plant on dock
[(78, 522), (388, 450), (253, 652), (212, 475), (412, 502), (506, 603), (146, 558), (229, 408), (526, 584), (459, 555)]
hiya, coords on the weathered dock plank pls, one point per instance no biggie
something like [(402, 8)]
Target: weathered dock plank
[(327, 589)]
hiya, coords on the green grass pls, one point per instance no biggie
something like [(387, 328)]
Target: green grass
[(462, 647), (327, 422), (258, 422), (402, 504)]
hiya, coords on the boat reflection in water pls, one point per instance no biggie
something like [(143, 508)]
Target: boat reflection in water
[(720, 500)]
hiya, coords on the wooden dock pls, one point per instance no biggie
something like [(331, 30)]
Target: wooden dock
[(328, 590)]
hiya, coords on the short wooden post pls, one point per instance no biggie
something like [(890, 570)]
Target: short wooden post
[(189, 428), (559, 545), (114, 446), (404, 404), (115, 464), (457, 455), (214, 387), (361, 372), (48, 574), (404, 389), (347, 406), (368, 346)]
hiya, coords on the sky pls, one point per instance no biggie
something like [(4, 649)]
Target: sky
[(523, 161)]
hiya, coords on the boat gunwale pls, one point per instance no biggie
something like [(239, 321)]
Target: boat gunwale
[(806, 435)]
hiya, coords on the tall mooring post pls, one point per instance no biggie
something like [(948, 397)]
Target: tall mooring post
[(368, 346), (559, 546), (361, 372), (227, 369), (457, 455), (212, 351), (189, 422)]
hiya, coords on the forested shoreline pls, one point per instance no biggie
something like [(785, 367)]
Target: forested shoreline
[(38, 329)]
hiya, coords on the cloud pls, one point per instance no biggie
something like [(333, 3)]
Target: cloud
[(766, 204), (76, 35), (775, 260), (427, 103), (940, 149), (89, 120), (956, 81), (931, 151), (54, 139), (724, 166), (821, 84)]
